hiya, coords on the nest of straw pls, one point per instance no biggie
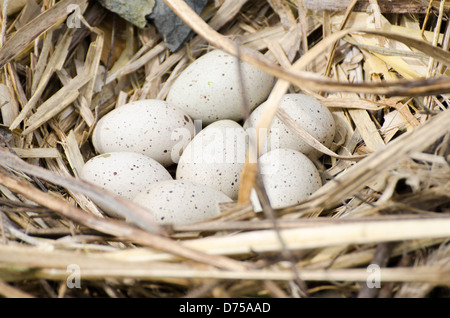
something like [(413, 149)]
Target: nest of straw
[(378, 227)]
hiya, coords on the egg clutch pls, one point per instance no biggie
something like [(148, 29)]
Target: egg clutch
[(198, 131)]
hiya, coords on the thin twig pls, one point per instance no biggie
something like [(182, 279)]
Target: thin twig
[(381, 258)]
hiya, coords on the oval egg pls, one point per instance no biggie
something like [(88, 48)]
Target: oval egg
[(209, 89), (307, 112), (180, 202), (151, 127), (289, 177), (123, 173), (215, 157)]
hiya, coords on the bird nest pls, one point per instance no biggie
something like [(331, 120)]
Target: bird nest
[(378, 227)]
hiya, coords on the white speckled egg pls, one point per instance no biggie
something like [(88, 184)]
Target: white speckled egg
[(209, 88), (123, 173), (309, 113), (215, 157), (151, 127), (289, 177), (179, 202)]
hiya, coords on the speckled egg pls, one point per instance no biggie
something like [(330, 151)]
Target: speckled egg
[(151, 127), (309, 113), (179, 202), (123, 173), (289, 177), (215, 157), (209, 88)]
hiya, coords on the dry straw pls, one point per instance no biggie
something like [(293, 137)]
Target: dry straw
[(381, 67)]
